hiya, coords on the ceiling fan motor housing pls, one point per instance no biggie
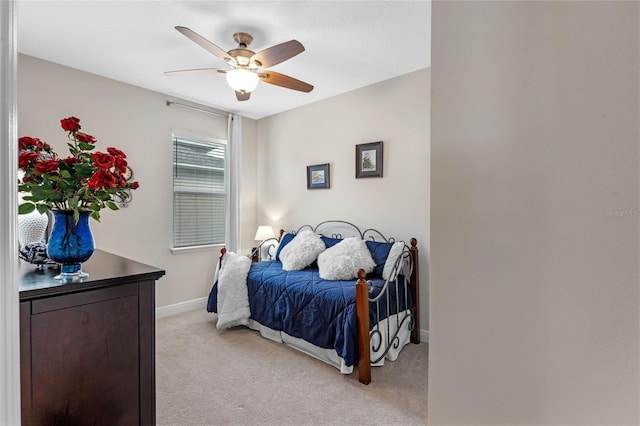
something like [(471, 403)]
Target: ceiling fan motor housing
[(241, 54)]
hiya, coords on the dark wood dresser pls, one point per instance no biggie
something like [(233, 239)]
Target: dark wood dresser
[(87, 349)]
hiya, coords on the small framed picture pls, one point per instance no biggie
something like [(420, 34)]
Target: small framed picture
[(369, 160), (318, 176)]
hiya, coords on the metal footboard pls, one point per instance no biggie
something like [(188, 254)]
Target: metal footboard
[(384, 338)]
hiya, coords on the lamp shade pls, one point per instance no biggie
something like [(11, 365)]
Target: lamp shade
[(242, 80), (264, 232)]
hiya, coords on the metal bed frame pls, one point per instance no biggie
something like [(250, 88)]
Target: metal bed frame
[(406, 265)]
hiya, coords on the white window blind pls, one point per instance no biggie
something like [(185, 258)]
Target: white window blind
[(198, 192)]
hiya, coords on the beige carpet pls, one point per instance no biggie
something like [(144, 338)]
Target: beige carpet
[(236, 377)]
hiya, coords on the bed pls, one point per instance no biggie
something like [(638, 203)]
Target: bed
[(354, 304)]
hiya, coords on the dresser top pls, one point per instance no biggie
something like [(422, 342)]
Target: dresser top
[(104, 269)]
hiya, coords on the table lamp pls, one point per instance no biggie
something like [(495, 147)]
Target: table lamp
[(264, 232)]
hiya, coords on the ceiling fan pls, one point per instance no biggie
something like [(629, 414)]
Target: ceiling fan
[(248, 67)]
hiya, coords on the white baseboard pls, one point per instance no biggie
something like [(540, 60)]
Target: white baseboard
[(424, 335), (178, 308)]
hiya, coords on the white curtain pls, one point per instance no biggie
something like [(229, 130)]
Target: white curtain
[(232, 183)]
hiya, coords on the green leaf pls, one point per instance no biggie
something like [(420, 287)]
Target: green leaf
[(104, 196), (83, 170), (86, 146), (65, 174), (96, 215), (73, 202), (42, 208), (44, 194), (112, 205), (25, 208), (76, 215), (45, 185)]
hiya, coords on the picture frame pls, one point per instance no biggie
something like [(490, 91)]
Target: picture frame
[(319, 176), (369, 160)]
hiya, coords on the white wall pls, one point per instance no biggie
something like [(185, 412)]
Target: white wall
[(396, 112), (138, 122), (248, 197), (534, 222)]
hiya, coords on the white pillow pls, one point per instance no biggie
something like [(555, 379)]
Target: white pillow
[(396, 250), (302, 251), (343, 260), (233, 298)]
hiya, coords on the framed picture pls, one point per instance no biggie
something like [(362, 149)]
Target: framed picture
[(318, 176), (369, 160)]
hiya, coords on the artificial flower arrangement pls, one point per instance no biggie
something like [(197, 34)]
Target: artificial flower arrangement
[(83, 181)]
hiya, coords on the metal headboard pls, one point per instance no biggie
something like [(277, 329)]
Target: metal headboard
[(267, 249), (344, 229), (335, 229)]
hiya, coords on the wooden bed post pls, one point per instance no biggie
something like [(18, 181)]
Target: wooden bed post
[(415, 293), (223, 250), (362, 312)]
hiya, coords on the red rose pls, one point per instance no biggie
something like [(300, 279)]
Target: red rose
[(27, 142), (83, 137), (135, 185), (46, 166), (116, 152), (70, 124), (102, 179), (25, 157), (103, 161), (121, 164), (70, 160), (26, 179)]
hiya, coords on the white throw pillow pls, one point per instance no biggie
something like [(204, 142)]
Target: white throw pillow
[(396, 250), (343, 260), (302, 251), (233, 298)]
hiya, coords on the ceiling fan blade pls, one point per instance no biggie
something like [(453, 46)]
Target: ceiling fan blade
[(206, 44), (282, 80), (194, 71), (278, 53), (243, 96)]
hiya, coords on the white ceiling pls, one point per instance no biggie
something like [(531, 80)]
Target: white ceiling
[(349, 44)]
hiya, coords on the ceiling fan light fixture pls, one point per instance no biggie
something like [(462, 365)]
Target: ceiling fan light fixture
[(242, 80)]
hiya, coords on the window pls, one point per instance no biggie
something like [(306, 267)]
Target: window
[(198, 192)]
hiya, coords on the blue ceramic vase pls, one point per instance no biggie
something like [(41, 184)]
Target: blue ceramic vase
[(70, 243)]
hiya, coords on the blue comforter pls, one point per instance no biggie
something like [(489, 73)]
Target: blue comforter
[(303, 305)]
